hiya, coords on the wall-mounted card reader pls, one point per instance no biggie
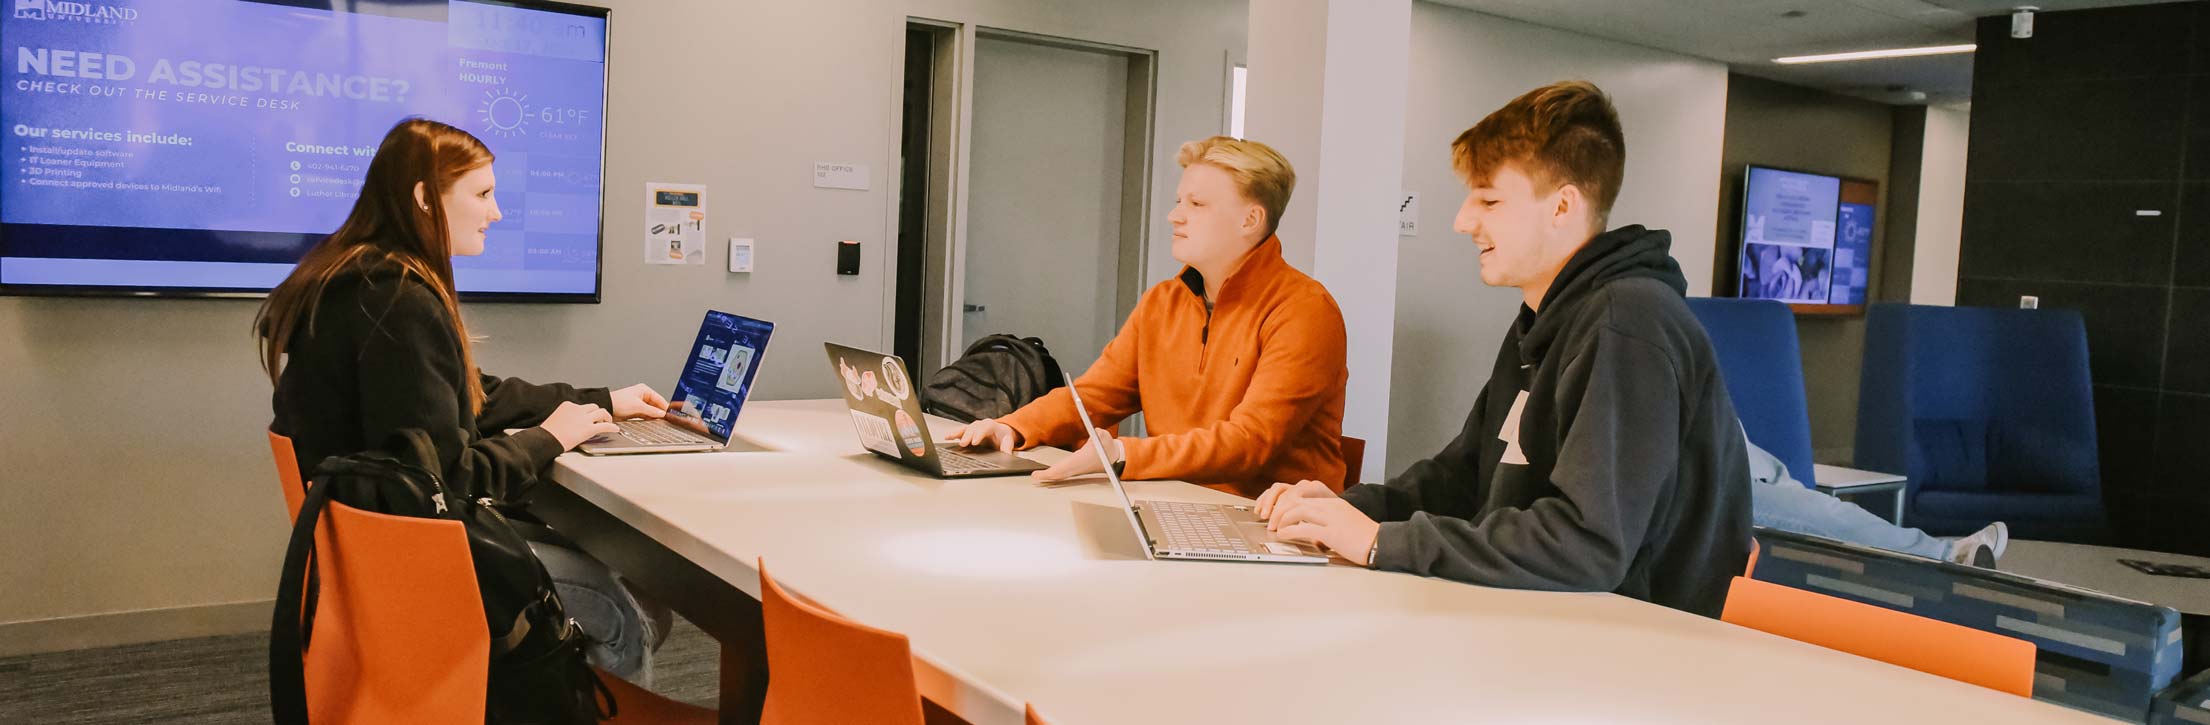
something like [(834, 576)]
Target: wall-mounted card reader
[(847, 257)]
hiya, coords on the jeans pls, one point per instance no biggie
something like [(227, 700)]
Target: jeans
[(623, 630), (1788, 506)]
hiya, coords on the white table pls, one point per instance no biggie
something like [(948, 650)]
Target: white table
[(1012, 592), (1841, 482)]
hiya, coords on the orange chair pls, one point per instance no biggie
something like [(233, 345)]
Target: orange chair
[(1907, 640), (1354, 459), (823, 668), (397, 637), (1750, 569), (397, 634), (287, 473), (1033, 718)]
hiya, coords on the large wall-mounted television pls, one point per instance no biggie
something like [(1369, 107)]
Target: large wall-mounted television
[(199, 147), (1806, 239)]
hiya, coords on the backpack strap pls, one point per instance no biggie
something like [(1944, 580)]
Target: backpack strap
[(294, 617)]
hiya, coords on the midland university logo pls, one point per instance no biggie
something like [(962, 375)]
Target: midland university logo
[(74, 11)]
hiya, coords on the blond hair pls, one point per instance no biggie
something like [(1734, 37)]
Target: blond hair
[(1260, 172)]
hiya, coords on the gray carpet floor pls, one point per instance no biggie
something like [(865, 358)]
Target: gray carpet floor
[(225, 680)]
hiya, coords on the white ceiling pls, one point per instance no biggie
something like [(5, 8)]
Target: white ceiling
[(1748, 34)]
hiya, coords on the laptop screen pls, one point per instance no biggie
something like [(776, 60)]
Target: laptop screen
[(719, 374)]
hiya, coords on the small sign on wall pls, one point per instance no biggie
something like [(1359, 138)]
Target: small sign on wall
[(831, 175), (675, 223), (1408, 214)]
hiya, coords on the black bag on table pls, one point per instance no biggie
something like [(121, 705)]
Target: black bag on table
[(996, 376)]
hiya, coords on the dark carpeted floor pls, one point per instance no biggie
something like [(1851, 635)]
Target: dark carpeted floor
[(225, 680)]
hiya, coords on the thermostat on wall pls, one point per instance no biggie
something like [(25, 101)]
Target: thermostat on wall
[(740, 255)]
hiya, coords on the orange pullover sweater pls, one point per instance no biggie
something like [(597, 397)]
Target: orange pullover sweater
[(1235, 398)]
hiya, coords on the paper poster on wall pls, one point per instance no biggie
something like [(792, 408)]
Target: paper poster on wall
[(675, 223)]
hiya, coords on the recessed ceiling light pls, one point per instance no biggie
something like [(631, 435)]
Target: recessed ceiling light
[(1871, 54)]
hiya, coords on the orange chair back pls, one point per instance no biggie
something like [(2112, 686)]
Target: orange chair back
[(1354, 459), (823, 668), (287, 473), (1898, 638), (1033, 718), (398, 633)]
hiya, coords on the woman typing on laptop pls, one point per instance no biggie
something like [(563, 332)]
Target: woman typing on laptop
[(1237, 363), (365, 338)]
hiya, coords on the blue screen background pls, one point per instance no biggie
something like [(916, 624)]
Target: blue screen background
[(723, 362)]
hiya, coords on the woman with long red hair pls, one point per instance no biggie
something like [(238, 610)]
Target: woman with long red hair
[(365, 338)]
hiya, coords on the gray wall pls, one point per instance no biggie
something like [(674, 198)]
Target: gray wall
[(1775, 124), (1464, 65), (166, 521)]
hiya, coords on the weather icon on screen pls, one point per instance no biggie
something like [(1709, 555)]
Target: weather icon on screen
[(504, 112)]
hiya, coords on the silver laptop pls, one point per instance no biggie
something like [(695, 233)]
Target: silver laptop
[(886, 412), (703, 405), (1201, 531)]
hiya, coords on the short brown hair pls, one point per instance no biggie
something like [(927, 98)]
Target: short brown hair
[(1259, 171), (1562, 133)]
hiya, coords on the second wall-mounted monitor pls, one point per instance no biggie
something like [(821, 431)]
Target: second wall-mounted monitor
[(1806, 240)]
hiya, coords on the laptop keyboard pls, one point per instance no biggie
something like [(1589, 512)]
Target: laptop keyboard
[(955, 462), (659, 432), (1197, 527)]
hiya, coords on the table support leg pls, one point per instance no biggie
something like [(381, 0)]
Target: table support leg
[(721, 610)]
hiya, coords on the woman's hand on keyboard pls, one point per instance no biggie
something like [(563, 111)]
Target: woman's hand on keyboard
[(572, 424), (638, 401)]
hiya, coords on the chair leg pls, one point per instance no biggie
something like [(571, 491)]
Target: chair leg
[(743, 680)]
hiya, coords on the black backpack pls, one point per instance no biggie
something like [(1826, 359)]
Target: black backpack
[(538, 672), (997, 375)]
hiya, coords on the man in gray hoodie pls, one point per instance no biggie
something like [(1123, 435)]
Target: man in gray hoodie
[(1604, 454)]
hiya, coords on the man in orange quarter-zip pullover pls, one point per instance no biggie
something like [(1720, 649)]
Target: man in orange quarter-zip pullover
[(1237, 364)]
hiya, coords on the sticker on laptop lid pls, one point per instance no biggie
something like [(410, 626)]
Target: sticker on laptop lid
[(894, 379), (874, 433), (911, 432)]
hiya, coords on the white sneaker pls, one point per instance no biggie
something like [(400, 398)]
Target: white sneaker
[(1983, 548)]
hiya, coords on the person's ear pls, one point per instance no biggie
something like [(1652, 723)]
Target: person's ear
[(1570, 204), (1254, 220), (421, 199)]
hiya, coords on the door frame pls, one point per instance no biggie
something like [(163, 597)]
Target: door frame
[(950, 149)]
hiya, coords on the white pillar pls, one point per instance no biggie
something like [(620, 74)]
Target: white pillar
[(1327, 89), (1939, 238)]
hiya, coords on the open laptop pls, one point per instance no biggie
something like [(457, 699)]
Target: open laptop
[(703, 405), (1199, 531), (886, 412)]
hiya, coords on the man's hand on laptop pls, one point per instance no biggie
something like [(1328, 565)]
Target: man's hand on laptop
[(1083, 462), (1310, 512), (638, 401), (1280, 493), (988, 432)]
